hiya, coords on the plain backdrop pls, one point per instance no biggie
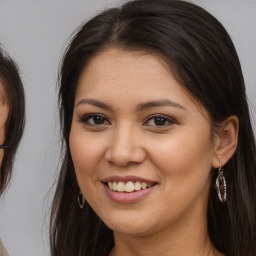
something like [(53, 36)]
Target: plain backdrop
[(35, 33)]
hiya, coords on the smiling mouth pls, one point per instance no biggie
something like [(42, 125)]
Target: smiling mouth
[(128, 187)]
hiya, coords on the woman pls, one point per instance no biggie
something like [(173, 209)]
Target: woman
[(12, 109), (159, 147)]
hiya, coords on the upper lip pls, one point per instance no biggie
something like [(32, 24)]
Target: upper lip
[(126, 179)]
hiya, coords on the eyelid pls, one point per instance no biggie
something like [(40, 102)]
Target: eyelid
[(169, 119), (86, 117)]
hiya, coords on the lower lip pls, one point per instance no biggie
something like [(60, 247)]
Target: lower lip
[(127, 198)]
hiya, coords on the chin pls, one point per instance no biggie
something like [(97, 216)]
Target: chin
[(131, 230), (129, 225)]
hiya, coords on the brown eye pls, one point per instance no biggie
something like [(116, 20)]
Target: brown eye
[(95, 120), (159, 120), (98, 120)]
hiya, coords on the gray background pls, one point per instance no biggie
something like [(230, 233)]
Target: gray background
[(35, 33)]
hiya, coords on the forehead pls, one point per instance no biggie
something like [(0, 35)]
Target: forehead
[(128, 70), (118, 72), (120, 61)]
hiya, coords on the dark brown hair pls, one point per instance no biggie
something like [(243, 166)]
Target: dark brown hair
[(204, 61), (14, 96)]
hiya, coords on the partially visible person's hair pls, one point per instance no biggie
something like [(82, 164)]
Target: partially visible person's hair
[(14, 97), (204, 61)]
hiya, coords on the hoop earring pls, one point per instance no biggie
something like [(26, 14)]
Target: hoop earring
[(81, 200), (221, 185)]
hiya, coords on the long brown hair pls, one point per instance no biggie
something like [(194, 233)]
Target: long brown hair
[(15, 99), (203, 59)]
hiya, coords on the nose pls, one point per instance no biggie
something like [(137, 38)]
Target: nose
[(125, 148)]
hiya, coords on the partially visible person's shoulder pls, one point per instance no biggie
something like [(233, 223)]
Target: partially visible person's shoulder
[(3, 251)]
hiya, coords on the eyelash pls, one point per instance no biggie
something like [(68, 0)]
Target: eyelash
[(85, 119), (160, 116)]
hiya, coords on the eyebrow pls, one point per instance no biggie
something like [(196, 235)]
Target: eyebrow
[(140, 107), (95, 103), (159, 103)]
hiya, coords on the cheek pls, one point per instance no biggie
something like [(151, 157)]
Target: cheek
[(184, 161), (86, 152), (183, 154)]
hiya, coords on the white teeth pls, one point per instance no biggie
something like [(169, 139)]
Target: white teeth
[(129, 186), (110, 185), (144, 185), (115, 186), (137, 185), (120, 186)]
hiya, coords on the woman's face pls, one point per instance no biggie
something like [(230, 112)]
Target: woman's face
[(4, 111), (141, 145)]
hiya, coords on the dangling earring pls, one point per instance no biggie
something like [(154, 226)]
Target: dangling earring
[(221, 185), (81, 200)]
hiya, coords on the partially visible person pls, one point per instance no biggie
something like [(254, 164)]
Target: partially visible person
[(3, 251), (12, 119)]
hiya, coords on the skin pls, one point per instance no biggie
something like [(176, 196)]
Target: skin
[(179, 155), (4, 111)]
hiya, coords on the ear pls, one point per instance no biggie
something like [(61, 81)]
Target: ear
[(225, 143)]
